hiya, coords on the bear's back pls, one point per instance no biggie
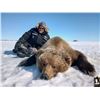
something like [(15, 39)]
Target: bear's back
[(57, 43)]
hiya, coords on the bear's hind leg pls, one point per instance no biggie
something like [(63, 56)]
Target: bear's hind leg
[(83, 64)]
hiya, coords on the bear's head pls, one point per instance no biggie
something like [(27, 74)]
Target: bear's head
[(50, 63)]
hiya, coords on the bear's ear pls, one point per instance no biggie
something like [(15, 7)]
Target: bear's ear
[(67, 58), (63, 68), (40, 52)]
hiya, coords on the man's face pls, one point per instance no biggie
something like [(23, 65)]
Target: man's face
[(41, 29)]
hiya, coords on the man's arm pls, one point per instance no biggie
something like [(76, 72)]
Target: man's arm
[(42, 39), (23, 39)]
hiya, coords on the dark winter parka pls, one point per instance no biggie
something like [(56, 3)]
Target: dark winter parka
[(32, 38)]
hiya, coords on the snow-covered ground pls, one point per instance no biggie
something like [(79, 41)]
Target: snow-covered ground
[(11, 75)]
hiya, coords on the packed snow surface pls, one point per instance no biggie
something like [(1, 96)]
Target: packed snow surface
[(14, 76)]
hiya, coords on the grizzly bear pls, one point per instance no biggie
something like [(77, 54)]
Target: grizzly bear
[(57, 56)]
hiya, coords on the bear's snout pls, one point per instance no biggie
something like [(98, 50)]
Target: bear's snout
[(44, 76)]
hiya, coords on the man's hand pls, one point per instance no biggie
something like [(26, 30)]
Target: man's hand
[(33, 50)]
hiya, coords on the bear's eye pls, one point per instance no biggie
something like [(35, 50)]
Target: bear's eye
[(54, 66), (45, 64)]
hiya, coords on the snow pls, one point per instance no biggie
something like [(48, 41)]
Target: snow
[(14, 76)]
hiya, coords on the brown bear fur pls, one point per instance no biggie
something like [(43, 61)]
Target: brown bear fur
[(57, 56)]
